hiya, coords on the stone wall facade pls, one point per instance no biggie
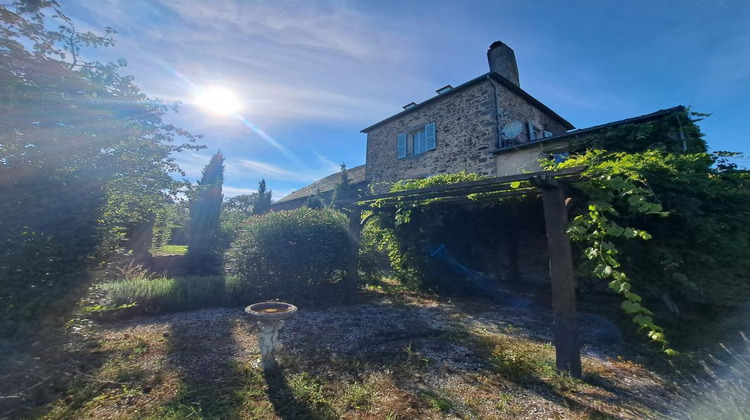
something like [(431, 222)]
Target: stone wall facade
[(466, 134)]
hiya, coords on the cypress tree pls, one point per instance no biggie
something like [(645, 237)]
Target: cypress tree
[(263, 202), (205, 208)]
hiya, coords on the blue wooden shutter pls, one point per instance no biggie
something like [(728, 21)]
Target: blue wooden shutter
[(429, 136), (532, 133), (401, 147)]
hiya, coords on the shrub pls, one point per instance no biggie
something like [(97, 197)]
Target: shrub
[(297, 254)]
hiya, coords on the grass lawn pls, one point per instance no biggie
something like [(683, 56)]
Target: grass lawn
[(169, 250), (393, 356)]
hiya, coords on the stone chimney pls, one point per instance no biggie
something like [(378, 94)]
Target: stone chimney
[(502, 61)]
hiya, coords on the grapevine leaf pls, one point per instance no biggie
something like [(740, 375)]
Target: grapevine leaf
[(631, 307)]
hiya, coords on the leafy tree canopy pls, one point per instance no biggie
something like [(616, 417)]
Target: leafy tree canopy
[(243, 204), (84, 153)]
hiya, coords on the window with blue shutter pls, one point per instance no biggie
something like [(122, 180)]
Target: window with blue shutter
[(401, 147), (429, 136), (416, 141)]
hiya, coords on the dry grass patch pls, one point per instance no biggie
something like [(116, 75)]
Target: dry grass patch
[(416, 357)]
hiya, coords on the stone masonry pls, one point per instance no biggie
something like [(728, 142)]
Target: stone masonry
[(466, 132)]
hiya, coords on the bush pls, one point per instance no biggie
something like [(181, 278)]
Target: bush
[(297, 254), (48, 231)]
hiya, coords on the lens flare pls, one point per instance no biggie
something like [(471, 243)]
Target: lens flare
[(218, 101)]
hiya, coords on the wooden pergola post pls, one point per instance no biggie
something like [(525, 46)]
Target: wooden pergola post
[(567, 348), (352, 263)]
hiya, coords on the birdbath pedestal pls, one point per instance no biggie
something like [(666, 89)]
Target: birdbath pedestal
[(270, 317)]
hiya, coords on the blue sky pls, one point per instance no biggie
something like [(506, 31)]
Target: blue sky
[(312, 74)]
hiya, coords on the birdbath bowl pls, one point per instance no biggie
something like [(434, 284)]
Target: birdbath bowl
[(270, 317)]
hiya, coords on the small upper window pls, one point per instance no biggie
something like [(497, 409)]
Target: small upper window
[(535, 132), (560, 157), (416, 141)]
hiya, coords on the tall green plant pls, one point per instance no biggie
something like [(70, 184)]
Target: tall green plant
[(263, 200), (344, 190), (205, 208)]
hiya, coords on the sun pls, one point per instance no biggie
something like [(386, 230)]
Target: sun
[(218, 101)]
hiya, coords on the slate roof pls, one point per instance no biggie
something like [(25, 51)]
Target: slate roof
[(496, 77), (640, 119), (356, 175)]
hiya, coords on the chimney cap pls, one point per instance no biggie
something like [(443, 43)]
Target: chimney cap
[(497, 44)]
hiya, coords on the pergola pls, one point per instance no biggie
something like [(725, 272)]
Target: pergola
[(551, 185)]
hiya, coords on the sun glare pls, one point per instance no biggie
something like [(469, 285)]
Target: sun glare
[(218, 101)]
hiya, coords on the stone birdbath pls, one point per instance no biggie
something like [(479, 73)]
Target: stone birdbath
[(270, 317)]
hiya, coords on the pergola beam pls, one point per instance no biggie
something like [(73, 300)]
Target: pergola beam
[(567, 349), (470, 187)]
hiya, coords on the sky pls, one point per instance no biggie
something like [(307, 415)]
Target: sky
[(311, 74)]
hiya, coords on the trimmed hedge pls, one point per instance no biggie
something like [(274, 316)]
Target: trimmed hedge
[(294, 255)]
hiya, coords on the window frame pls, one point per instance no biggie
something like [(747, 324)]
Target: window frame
[(416, 141)]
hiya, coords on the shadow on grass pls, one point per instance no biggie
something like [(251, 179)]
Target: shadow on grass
[(528, 367), (210, 381), (285, 403)]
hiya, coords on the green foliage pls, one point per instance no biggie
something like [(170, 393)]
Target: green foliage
[(404, 211), (205, 208), (291, 254), (343, 190), (411, 232), (169, 218), (84, 155), (675, 133), (166, 294), (693, 214), (47, 232), (433, 181), (242, 204), (263, 198)]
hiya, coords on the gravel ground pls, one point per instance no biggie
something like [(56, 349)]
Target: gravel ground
[(378, 337)]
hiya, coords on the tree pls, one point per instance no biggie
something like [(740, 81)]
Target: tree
[(242, 204), (263, 203), (205, 208), (343, 190), (84, 155)]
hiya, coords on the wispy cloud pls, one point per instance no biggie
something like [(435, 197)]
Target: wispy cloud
[(290, 60), (230, 191), (192, 163), (248, 168)]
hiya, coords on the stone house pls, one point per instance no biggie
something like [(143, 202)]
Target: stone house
[(462, 128), (488, 125)]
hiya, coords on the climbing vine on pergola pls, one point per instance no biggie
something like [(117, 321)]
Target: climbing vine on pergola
[(551, 185)]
